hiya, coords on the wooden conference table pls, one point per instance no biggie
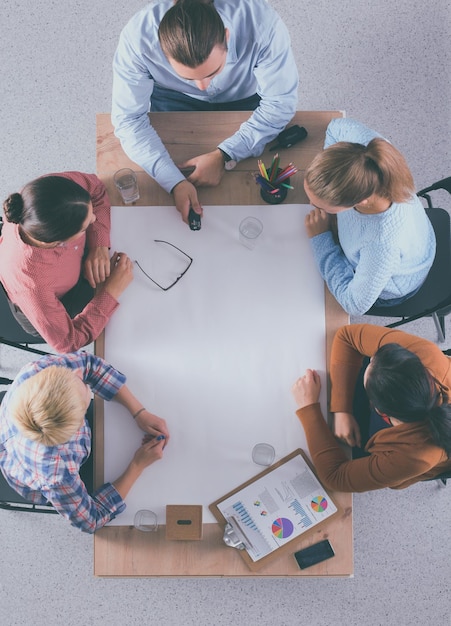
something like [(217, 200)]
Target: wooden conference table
[(123, 550)]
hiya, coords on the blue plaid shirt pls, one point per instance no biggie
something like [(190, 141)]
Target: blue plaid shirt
[(42, 473)]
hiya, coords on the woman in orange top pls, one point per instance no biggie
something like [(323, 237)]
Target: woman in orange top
[(406, 428)]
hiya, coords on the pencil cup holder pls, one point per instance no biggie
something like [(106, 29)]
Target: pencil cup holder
[(274, 181), (277, 197)]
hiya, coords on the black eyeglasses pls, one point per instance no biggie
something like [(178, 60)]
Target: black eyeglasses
[(178, 278)]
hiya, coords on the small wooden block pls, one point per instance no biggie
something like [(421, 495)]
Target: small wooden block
[(184, 521)]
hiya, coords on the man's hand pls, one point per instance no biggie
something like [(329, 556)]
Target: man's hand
[(209, 169), (307, 388), (97, 266), (347, 429), (317, 222), (185, 196)]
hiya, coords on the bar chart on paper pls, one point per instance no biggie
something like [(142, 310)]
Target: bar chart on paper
[(277, 506)]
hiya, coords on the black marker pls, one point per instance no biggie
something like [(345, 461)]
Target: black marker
[(194, 219)]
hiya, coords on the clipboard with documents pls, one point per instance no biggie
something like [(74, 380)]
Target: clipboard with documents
[(277, 506)]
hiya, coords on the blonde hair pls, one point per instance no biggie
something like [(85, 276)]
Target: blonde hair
[(346, 173), (49, 407)]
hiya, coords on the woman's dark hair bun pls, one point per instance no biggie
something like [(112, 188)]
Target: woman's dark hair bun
[(13, 207)]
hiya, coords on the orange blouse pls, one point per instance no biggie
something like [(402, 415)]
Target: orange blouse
[(399, 456)]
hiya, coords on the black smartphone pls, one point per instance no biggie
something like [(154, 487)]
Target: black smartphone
[(187, 171), (314, 554)]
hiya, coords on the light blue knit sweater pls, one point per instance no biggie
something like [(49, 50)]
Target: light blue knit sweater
[(385, 255)]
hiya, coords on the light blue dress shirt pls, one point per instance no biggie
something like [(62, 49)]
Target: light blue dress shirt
[(385, 255), (259, 60)]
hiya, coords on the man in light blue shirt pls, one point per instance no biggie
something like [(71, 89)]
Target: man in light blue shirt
[(249, 65)]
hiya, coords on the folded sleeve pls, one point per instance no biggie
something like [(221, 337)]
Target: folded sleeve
[(338, 473), (277, 84), (354, 342), (132, 89), (88, 513), (347, 129), (352, 287)]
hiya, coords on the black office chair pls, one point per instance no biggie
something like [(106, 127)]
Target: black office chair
[(434, 297), (11, 332), (10, 500), (445, 475)]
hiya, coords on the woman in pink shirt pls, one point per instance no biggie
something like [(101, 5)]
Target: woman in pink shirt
[(54, 260)]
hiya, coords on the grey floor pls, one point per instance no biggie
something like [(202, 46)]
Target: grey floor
[(385, 63)]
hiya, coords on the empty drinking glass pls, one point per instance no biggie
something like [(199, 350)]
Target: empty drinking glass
[(250, 229), (146, 521), (263, 454)]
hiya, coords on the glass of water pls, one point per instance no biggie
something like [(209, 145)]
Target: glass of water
[(250, 230), (127, 184), (263, 454), (146, 521)]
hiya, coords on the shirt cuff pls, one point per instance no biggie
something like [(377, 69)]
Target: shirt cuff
[(311, 411), (110, 499), (107, 303), (99, 238)]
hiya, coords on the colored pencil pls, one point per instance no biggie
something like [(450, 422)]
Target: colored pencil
[(270, 180)]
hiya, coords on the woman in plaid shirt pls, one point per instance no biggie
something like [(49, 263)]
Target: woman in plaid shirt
[(45, 436)]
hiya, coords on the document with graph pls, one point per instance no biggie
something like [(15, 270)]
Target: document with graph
[(275, 507)]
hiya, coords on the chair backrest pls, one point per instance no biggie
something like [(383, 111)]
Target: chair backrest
[(445, 184), (10, 329), (435, 293)]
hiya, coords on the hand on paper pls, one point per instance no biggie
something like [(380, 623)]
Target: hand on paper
[(97, 266), (317, 222), (347, 429), (148, 453), (185, 196), (153, 426), (121, 274), (151, 450), (307, 388)]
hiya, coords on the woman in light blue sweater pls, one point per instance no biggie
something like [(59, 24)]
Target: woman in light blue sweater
[(386, 244)]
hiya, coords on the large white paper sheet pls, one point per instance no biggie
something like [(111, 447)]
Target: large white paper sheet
[(217, 354)]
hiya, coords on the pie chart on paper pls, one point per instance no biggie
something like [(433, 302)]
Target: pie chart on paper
[(319, 504), (282, 528)]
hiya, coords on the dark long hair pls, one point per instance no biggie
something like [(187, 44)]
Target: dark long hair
[(50, 209), (400, 386), (190, 30)]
